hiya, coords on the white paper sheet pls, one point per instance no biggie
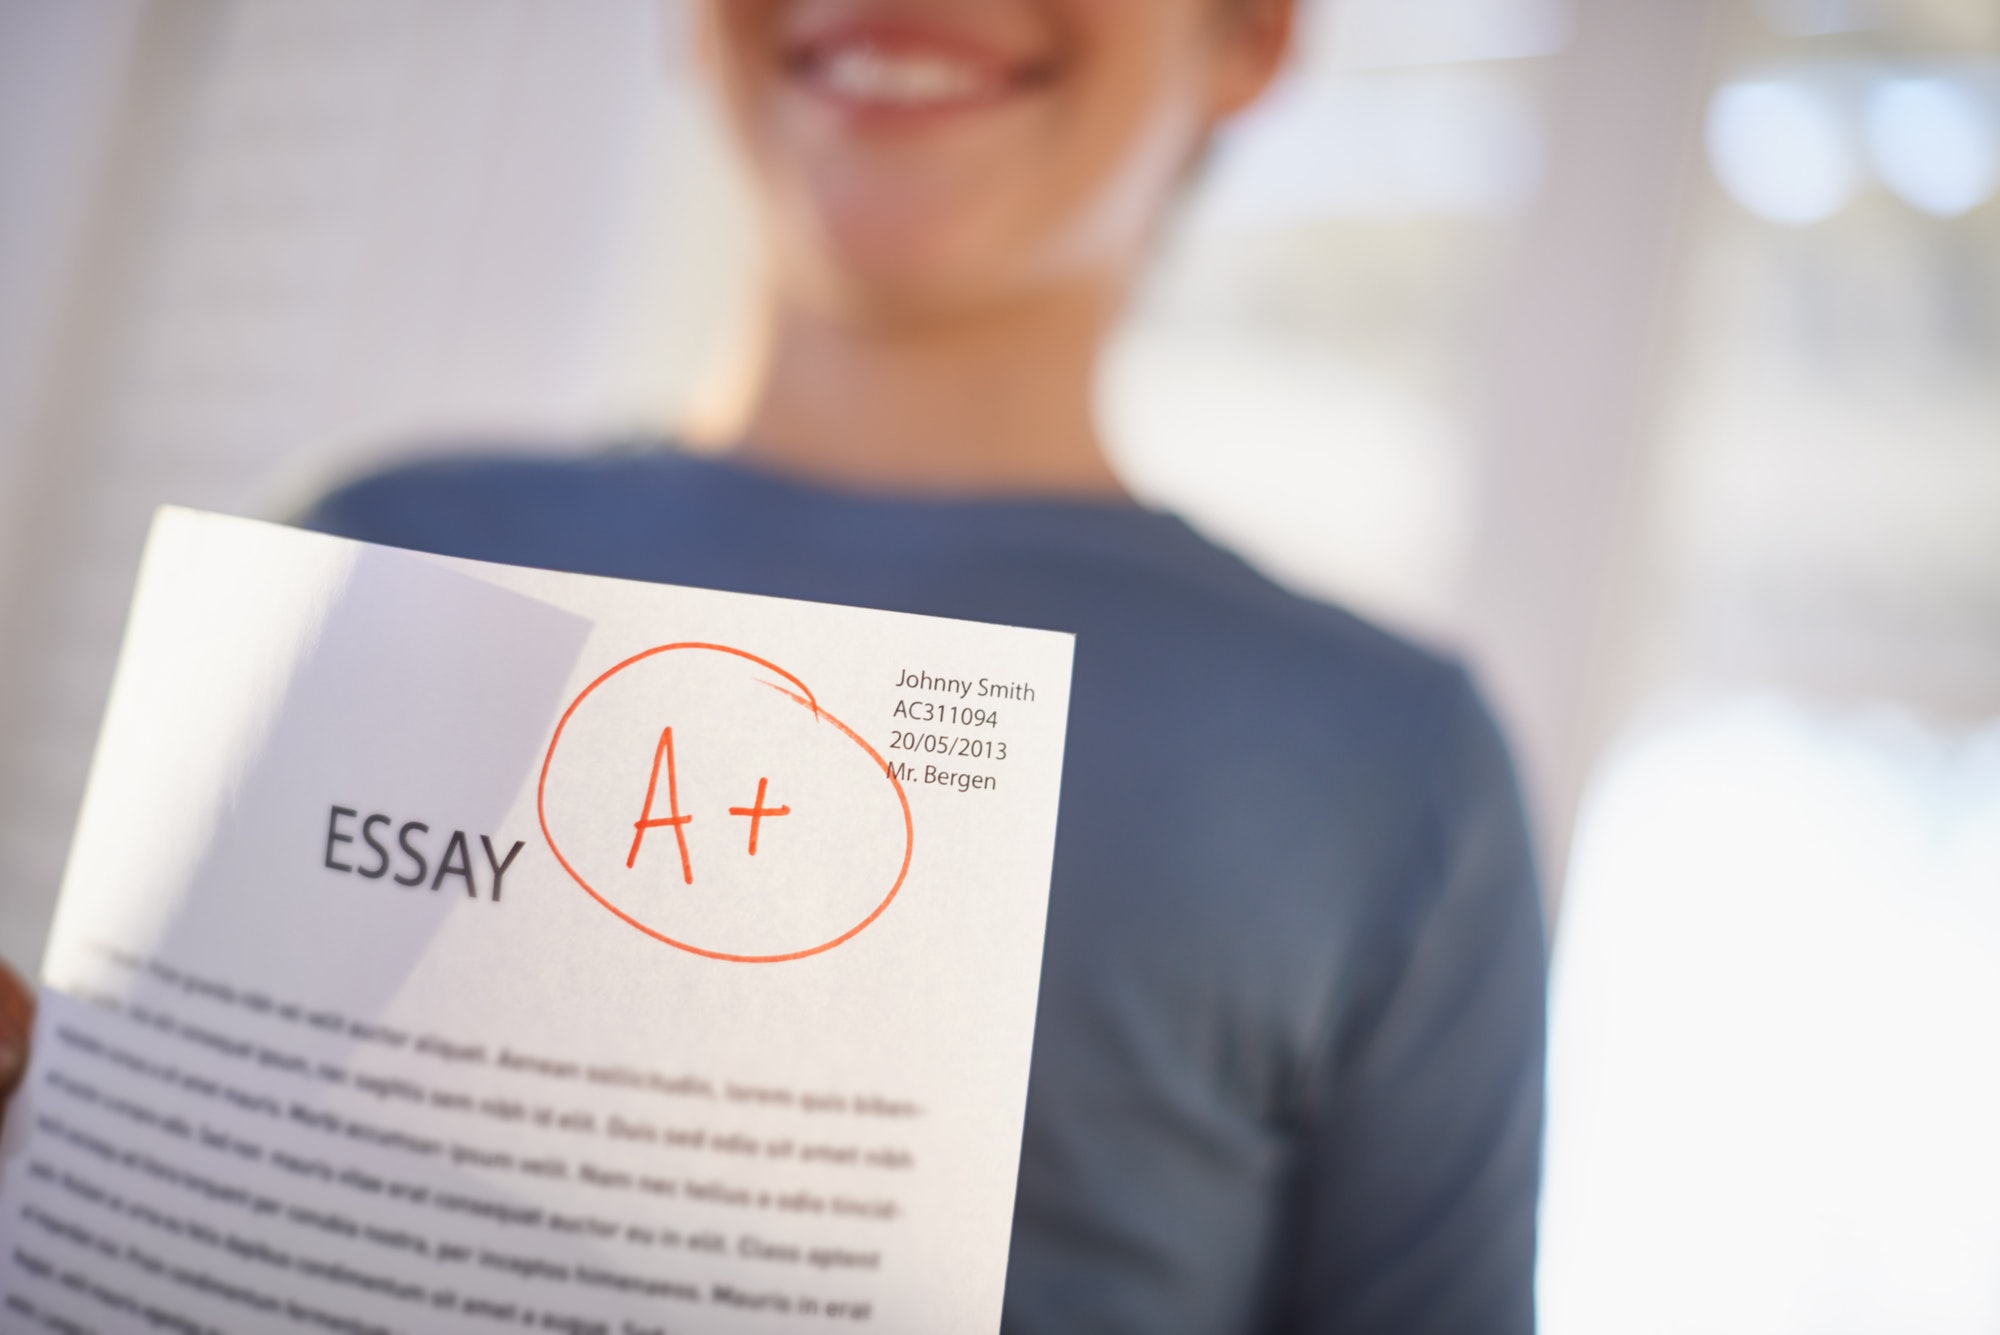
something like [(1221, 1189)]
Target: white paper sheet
[(456, 947)]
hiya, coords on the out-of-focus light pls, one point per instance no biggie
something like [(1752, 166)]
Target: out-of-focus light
[(1371, 34), (1389, 146), (1774, 1061), (1780, 150), (1934, 144), (1815, 18)]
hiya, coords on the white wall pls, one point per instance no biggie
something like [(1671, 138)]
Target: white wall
[(250, 246)]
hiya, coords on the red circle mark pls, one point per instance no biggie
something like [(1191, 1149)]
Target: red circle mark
[(805, 698)]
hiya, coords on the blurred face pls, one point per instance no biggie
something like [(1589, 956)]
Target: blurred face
[(929, 155)]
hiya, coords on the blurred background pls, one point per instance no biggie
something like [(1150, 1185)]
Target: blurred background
[(1646, 352)]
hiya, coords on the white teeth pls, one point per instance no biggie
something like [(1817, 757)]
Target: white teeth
[(870, 74)]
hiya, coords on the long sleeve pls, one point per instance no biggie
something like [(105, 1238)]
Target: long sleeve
[(1421, 1169)]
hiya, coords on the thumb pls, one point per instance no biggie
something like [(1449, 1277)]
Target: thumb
[(17, 1020)]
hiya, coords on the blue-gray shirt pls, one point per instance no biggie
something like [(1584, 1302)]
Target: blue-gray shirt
[(1288, 1058)]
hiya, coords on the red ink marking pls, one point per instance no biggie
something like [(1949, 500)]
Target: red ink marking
[(802, 697), (756, 811), (648, 821)]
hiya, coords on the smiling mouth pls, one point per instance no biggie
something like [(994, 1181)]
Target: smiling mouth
[(893, 73)]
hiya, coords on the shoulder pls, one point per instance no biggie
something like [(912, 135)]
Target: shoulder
[(466, 504), (1395, 736), (629, 512), (1308, 659)]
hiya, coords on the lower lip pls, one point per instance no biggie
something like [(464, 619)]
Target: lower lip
[(870, 112)]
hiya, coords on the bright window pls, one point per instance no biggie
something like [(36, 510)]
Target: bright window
[(1775, 1065)]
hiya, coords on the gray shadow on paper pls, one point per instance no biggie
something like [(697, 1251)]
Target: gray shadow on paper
[(428, 698)]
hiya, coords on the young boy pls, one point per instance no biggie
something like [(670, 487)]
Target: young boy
[(1288, 1062)]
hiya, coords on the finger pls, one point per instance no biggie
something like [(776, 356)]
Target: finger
[(17, 1019)]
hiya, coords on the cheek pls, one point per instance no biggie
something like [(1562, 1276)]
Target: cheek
[(1136, 127)]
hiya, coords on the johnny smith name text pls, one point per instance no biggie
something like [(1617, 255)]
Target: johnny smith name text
[(980, 688)]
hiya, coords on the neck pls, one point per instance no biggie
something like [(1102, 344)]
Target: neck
[(999, 401)]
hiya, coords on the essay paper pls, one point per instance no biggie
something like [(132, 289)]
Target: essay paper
[(456, 947)]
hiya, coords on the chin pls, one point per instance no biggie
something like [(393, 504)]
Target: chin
[(885, 256), (871, 281)]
